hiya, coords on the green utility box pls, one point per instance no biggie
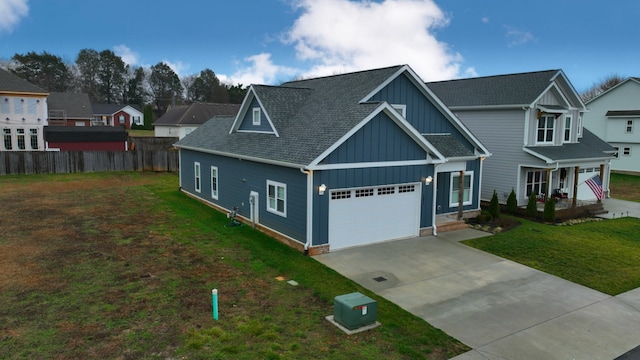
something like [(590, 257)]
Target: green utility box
[(354, 310)]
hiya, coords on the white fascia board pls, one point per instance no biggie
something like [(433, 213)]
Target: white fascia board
[(243, 157), (243, 109), (376, 164), (396, 117)]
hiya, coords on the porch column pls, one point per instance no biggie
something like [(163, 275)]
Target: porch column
[(460, 194), (575, 186), (548, 184), (601, 180)]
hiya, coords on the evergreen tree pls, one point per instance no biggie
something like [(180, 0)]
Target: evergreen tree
[(512, 203), (494, 206), (549, 214), (44, 70), (532, 206)]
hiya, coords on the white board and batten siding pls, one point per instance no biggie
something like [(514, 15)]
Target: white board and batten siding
[(368, 215)]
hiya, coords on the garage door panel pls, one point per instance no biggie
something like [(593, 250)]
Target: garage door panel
[(385, 213)]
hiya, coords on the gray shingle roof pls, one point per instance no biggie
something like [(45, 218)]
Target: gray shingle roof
[(75, 105), (309, 116), (511, 89), (13, 83), (623, 113), (196, 113), (448, 145), (589, 147), (110, 109)]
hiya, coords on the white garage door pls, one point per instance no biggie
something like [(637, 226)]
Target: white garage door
[(367, 215)]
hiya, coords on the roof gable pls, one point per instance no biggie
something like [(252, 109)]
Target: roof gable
[(621, 87), (311, 118)]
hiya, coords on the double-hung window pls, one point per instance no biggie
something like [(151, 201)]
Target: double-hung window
[(22, 145), (545, 129), (196, 173), (214, 182), (467, 189), (629, 127), (567, 129), (277, 198), (536, 182), (33, 138), (256, 116), (8, 143)]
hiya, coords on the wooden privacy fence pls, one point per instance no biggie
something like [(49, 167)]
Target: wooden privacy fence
[(50, 162)]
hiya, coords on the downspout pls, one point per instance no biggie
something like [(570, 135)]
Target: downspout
[(434, 199), (309, 174)]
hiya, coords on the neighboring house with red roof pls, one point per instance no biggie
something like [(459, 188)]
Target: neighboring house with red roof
[(182, 120), (69, 109), (117, 115), (23, 114), (615, 116)]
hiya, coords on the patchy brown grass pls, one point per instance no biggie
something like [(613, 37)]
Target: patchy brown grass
[(625, 187), (122, 266)]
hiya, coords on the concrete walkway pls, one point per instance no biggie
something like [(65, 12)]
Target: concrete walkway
[(620, 208), (501, 309)]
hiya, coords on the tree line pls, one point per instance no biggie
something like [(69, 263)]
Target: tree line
[(107, 79)]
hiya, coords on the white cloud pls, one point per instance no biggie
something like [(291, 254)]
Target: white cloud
[(261, 70), (178, 67), (129, 56), (485, 20), (342, 35), (337, 36), (11, 12), (518, 37)]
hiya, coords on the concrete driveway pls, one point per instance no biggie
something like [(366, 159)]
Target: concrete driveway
[(501, 309)]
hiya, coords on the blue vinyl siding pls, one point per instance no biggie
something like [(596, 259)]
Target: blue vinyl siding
[(380, 139), (247, 122), (421, 113), (377, 176), (444, 189), (236, 180)]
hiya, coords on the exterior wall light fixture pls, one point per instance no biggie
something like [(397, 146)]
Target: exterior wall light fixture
[(428, 180), (321, 189)]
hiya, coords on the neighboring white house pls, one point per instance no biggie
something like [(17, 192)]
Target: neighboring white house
[(23, 114), (182, 120), (117, 115), (532, 123), (615, 116)]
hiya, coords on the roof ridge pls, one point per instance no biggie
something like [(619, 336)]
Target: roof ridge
[(495, 76)]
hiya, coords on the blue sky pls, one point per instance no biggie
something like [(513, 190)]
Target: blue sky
[(271, 41)]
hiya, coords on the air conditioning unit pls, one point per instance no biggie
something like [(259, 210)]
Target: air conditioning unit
[(354, 310)]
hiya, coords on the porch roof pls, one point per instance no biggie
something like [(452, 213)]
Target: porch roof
[(623, 113), (590, 147)]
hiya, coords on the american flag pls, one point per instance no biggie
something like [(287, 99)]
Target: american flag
[(595, 185)]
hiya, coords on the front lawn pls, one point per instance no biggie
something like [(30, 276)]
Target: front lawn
[(625, 187), (121, 266), (603, 255)]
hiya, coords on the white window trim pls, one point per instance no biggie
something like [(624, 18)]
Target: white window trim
[(275, 210), (546, 129), (256, 116), (455, 176), (401, 108), (628, 127), (625, 152), (564, 128), (197, 179), (215, 192)]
